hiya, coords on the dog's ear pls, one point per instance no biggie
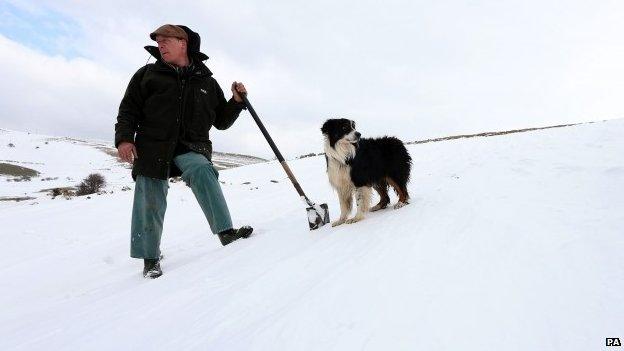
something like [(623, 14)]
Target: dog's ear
[(325, 127)]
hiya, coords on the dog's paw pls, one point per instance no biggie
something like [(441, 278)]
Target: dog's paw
[(338, 222), (399, 205), (377, 207), (354, 219)]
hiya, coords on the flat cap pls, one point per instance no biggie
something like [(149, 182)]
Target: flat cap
[(169, 30)]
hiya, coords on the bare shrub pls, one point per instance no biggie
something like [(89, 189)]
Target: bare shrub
[(92, 184)]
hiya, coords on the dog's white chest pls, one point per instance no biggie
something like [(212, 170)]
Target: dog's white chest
[(338, 172), (339, 175)]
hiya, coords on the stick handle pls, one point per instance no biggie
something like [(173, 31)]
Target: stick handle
[(262, 129), (278, 154)]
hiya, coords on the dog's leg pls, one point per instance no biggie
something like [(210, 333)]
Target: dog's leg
[(346, 203), (382, 190), (401, 191), (363, 197)]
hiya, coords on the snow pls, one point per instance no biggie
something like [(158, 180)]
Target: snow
[(65, 162), (511, 242)]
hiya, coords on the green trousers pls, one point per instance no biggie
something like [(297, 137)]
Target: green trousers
[(150, 203)]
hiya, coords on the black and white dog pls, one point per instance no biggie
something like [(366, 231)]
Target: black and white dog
[(355, 166)]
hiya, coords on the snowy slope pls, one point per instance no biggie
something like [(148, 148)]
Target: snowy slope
[(510, 243), (65, 162)]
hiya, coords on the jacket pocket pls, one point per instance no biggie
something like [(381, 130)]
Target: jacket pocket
[(203, 114), (149, 132)]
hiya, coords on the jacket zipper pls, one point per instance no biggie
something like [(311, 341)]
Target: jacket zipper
[(181, 83)]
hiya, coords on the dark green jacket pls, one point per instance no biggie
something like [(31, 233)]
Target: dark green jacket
[(159, 103)]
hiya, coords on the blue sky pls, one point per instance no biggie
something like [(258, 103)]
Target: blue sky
[(41, 29), (414, 69)]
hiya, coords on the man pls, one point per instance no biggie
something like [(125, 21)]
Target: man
[(162, 128)]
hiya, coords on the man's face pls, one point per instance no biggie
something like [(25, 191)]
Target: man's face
[(171, 49)]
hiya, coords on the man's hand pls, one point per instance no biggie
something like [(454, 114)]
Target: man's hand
[(237, 90), (127, 152)]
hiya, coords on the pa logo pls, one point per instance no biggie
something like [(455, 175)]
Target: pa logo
[(614, 342)]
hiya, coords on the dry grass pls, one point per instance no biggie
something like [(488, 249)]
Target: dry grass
[(16, 199), (110, 151), (488, 134), (17, 171)]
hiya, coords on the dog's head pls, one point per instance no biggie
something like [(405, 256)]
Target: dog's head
[(340, 131)]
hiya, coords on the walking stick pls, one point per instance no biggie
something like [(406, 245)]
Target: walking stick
[(318, 215)]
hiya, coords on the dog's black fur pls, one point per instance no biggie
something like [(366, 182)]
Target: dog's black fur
[(376, 159), (372, 162)]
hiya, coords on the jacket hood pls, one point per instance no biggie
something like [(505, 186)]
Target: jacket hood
[(193, 45)]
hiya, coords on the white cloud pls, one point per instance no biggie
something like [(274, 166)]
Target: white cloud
[(55, 95), (414, 69)]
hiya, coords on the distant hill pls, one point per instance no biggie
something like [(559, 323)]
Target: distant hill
[(32, 164)]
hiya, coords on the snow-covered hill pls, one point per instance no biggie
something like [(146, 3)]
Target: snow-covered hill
[(64, 162), (511, 242)]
